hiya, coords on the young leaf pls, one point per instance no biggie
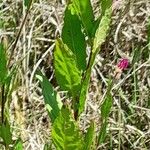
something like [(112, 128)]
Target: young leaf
[(67, 74), (73, 37), (65, 134), (89, 137), (51, 98), (102, 30), (3, 64), (84, 11)]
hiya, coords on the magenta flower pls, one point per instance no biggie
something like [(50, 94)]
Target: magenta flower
[(123, 63)]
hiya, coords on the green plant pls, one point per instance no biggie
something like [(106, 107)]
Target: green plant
[(7, 85), (73, 71)]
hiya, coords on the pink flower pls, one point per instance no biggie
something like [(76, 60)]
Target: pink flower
[(123, 63)]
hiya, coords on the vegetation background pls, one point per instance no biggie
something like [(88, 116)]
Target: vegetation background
[(129, 121)]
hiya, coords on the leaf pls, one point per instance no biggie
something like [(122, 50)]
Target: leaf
[(136, 55), (73, 37), (27, 3), (102, 30), (84, 11), (105, 4), (106, 106), (102, 133), (65, 134), (67, 74), (3, 64), (51, 98), (84, 89), (100, 36), (105, 110), (47, 146), (18, 145), (89, 137), (5, 133)]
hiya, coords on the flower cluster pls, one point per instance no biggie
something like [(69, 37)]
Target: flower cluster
[(123, 63)]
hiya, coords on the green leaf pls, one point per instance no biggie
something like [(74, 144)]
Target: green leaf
[(100, 36), (65, 134), (102, 29), (47, 146), (27, 3), (51, 98), (84, 11), (102, 134), (105, 110), (5, 133), (84, 89), (136, 55), (67, 74), (73, 37), (89, 137), (106, 106), (18, 145), (3, 64), (105, 4)]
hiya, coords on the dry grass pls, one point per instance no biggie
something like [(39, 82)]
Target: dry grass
[(129, 121)]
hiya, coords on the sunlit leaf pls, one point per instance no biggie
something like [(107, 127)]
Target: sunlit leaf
[(102, 29), (65, 134), (51, 98), (85, 13), (67, 74)]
